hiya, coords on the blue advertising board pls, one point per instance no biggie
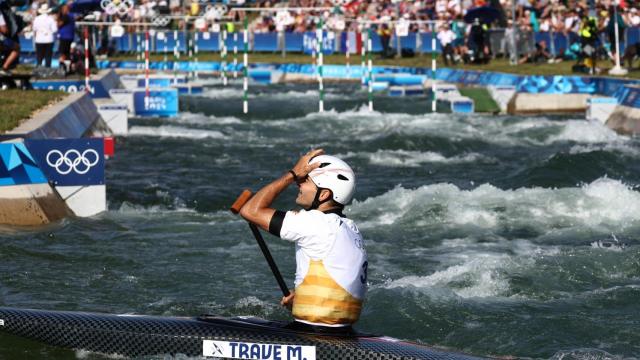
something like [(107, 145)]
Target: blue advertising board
[(69, 162), (159, 103), (72, 86), (309, 43)]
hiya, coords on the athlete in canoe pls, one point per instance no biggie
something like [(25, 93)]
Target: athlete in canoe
[(331, 262)]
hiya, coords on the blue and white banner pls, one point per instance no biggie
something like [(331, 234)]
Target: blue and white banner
[(162, 103), (242, 350), (70, 162), (72, 86), (309, 43)]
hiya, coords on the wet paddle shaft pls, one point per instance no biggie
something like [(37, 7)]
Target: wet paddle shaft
[(235, 208)]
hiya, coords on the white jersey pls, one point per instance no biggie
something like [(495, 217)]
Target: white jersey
[(44, 28), (328, 246)]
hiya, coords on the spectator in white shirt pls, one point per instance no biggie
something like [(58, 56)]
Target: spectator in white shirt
[(44, 30), (446, 37)]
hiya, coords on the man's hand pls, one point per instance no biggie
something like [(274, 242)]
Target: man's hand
[(287, 301), (302, 167)]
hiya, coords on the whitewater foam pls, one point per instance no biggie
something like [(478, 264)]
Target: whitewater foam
[(604, 205), (407, 158), (170, 131)]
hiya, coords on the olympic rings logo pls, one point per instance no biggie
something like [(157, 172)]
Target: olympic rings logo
[(161, 21), (121, 7), (72, 160)]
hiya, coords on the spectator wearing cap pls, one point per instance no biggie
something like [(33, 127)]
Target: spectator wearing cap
[(44, 30)]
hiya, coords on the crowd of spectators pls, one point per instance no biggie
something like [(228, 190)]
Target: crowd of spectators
[(469, 42)]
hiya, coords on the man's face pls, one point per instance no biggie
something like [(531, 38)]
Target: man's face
[(307, 192)]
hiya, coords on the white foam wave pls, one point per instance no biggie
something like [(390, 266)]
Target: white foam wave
[(623, 147), (134, 209), (291, 94), (222, 93), (407, 158), (584, 132), (202, 119), (478, 276), (605, 205), (169, 131), (585, 354)]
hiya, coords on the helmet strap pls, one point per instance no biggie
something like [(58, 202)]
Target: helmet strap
[(315, 204)]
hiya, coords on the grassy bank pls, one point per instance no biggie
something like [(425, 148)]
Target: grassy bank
[(498, 65), (483, 101), (19, 105)]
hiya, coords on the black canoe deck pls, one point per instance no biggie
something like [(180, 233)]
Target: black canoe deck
[(134, 335)]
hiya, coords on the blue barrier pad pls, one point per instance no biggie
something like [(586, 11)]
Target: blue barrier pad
[(26, 45), (294, 42), (210, 44), (406, 42), (265, 42), (238, 43), (425, 38)]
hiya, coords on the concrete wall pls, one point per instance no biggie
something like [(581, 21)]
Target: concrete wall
[(526, 103), (28, 205), (73, 117), (625, 119), (35, 204)]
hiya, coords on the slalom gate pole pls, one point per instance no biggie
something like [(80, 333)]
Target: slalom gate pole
[(245, 68), (433, 67), (164, 66), (363, 52), (223, 64), (370, 68), (146, 62), (319, 36), (87, 71), (235, 54)]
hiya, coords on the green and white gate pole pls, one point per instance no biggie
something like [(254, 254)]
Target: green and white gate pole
[(245, 68), (224, 55), (235, 53), (176, 56), (164, 64)]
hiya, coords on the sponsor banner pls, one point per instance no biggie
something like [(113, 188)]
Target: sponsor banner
[(18, 166), (242, 350), (70, 162), (523, 84), (97, 88), (309, 43), (156, 82), (162, 103)]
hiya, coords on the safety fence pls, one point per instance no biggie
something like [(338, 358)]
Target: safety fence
[(168, 41)]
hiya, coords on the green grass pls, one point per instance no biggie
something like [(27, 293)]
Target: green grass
[(19, 105), (483, 102), (424, 60)]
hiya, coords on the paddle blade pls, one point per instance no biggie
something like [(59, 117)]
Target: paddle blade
[(240, 201)]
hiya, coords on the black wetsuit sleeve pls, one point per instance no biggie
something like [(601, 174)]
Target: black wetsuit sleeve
[(275, 225)]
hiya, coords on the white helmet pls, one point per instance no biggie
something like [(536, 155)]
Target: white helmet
[(335, 175)]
